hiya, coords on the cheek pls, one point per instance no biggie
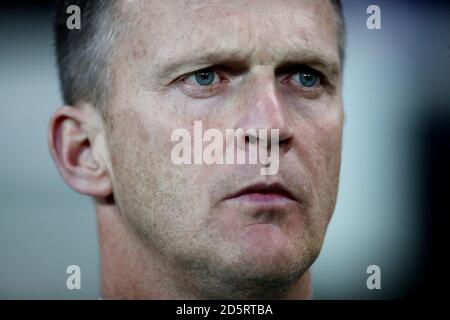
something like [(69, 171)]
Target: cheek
[(131, 158), (141, 151), (329, 140), (149, 188), (324, 150)]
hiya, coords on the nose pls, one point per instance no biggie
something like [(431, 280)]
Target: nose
[(262, 107)]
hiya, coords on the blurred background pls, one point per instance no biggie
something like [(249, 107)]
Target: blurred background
[(393, 202)]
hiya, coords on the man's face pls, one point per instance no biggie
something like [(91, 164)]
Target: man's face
[(257, 53)]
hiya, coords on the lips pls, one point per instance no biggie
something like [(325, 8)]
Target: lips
[(264, 193)]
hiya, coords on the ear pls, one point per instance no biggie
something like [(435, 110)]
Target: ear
[(77, 145)]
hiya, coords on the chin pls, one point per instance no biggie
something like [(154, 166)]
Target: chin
[(259, 280), (266, 243), (272, 263)]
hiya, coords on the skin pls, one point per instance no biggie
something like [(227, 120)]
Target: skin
[(168, 231)]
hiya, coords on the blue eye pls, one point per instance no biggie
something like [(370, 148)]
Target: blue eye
[(307, 78), (204, 77)]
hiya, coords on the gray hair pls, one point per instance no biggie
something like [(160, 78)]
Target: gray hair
[(337, 5), (83, 55)]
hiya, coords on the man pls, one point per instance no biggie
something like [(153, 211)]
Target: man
[(137, 71)]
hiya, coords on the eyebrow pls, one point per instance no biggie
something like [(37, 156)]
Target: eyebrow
[(322, 62), (171, 67)]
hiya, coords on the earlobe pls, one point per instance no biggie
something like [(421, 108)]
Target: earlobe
[(72, 146)]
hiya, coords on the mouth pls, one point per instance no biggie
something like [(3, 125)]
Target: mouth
[(273, 193)]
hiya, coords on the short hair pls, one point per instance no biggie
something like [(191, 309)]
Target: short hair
[(342, 33), (84, 55)]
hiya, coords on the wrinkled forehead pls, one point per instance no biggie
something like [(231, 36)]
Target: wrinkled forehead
[(263, 30)]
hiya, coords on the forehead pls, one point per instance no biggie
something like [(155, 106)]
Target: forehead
[(260, 29)]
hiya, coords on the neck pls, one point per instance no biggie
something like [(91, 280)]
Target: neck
[(130, 270)]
